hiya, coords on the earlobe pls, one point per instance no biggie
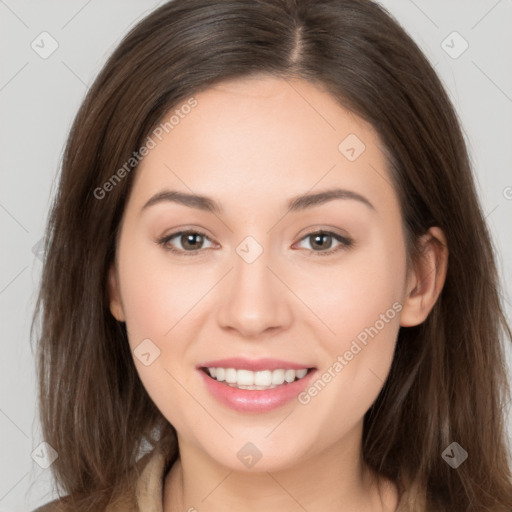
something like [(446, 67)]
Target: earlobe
[(116, 307), (426, 279)]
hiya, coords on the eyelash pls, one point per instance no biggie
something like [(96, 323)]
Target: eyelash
[(345, 242)]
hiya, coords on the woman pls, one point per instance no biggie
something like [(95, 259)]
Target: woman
[(268, 280)]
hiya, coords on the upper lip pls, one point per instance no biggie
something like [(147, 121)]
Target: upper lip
[(253, 364)]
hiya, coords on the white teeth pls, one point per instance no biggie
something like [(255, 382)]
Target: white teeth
[(301, 373), (277, 377), (244, 378), (289, 375), (230, 375), (263, 379)]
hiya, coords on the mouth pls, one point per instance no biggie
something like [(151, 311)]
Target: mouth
[(255, 385), (270, 389), (260, 380)]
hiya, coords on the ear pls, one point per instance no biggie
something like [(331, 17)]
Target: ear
[(426, 279), (116, 306)]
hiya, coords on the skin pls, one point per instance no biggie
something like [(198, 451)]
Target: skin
[(251, 145)]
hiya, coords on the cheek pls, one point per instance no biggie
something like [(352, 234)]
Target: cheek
[(364, 312), (351, 295), (155, 297), (156, 294), (160, 301)]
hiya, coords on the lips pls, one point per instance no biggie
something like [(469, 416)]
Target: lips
[(254, 398)]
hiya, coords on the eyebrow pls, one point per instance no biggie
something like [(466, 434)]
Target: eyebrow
[(294, 204)]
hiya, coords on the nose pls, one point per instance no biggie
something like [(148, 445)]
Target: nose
[(254, 299)]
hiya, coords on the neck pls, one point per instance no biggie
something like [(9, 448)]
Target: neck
[(333, 480)]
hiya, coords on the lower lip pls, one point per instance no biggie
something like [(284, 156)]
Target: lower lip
[(254, 400)]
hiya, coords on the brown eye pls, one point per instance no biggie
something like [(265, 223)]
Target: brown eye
[(321, 242), (188, 242), (191, 241)]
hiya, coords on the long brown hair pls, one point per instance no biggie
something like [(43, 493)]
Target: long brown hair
[(448, 380)]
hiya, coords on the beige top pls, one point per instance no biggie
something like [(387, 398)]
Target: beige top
[(146, 497)]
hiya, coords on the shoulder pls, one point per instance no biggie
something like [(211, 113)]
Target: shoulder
[(122, 503), (58, 505), (144, 488)]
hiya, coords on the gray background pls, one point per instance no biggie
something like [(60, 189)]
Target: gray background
[(39, 97)]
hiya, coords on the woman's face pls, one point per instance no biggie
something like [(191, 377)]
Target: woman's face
[(255, 282)]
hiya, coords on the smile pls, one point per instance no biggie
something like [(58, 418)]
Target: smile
[(255, 386)]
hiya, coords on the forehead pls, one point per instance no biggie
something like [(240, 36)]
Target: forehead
[(264, 135)]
